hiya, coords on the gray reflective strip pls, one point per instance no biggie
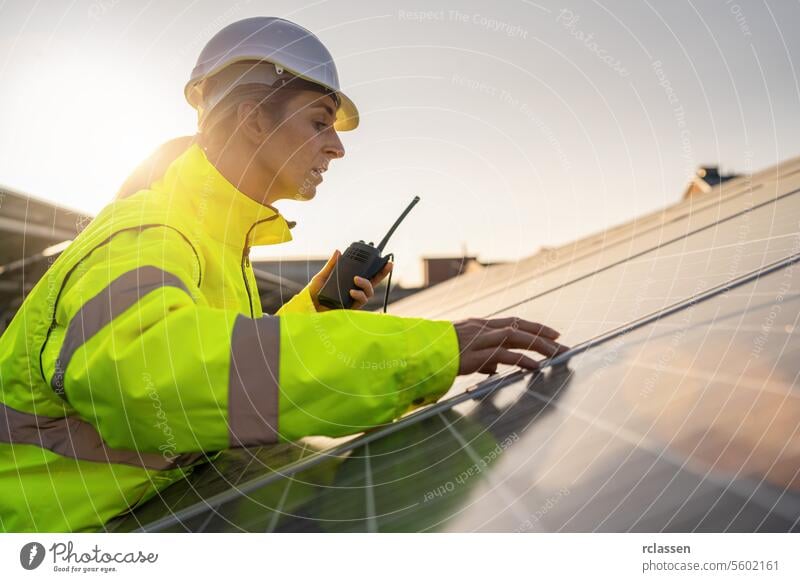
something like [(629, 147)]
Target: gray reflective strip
[(253, 381), (122, 293), (77, 439)]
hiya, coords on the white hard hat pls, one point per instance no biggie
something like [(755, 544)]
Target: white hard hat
[(291, 51)]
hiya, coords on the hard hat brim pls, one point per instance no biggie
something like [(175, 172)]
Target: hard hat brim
[(347, 114)]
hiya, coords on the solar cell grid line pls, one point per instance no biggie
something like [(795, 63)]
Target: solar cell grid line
[(539, 448), (369, 493), (273, 522), (585, 468), (212, 513), (558, 265), (480, 390), (210, 478), (208, 518), (497, 486)]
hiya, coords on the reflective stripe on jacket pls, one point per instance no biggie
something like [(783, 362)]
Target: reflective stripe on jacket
[(145, 346)]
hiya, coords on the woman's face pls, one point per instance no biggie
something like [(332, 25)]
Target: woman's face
[(301, 145)]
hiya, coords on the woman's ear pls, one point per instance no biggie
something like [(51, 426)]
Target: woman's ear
[(252, 123)]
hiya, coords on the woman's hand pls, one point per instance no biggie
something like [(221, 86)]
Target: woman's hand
[(360, 297), (484, 343)]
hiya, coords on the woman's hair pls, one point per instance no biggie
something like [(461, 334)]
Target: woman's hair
[(216, 130), (155, 166), (221, 123)]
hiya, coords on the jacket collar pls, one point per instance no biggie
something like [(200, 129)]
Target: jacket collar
[(220, 209)]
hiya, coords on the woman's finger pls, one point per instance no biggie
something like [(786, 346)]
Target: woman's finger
[(524, 325), (511, 338), (360, 299), (489, 360), (365, 285), (319, 280), (516, 359), (383, 273)]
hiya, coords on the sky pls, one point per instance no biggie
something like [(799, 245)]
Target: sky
[(519, 124)]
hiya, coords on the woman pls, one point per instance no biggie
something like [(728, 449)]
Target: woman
[(144, 346)]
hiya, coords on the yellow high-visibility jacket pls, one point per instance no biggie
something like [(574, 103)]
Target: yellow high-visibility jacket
[(144, 346)]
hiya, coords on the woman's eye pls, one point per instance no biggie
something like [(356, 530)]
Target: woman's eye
[(320, 125)]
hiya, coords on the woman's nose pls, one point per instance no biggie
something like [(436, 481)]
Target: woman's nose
[(335, 149)]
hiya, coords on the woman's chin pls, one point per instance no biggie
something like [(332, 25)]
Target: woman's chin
[(305, 192)]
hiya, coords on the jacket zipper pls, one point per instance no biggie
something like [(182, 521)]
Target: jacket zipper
[(246, 263)]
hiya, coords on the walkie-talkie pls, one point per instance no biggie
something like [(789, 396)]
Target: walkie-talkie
[(360, 259)]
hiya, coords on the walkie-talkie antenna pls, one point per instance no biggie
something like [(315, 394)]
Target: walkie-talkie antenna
[(397, 223)]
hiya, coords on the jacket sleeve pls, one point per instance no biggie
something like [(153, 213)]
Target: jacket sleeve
[(139, 353), (300, 303)]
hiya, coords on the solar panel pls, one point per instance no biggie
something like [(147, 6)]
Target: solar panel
[(557, 266), (681, 413), (591, 304), (681, 425)]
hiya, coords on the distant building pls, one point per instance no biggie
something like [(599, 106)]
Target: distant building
[(440, 269), (705, 179)]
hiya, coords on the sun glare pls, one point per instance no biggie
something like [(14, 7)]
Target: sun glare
[(79, 142)]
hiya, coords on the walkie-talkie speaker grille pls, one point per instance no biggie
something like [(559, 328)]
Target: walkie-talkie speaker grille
[(358, 254)]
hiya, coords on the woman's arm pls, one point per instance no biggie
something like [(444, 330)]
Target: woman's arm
[(141, 356)]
